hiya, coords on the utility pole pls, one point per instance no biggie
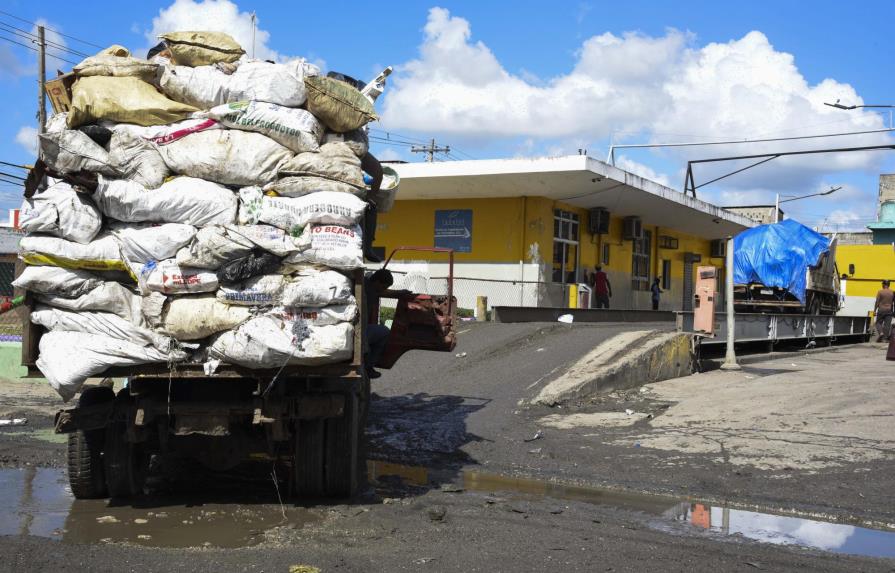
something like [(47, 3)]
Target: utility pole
[(430, 150), (730, 357), (41, 80)]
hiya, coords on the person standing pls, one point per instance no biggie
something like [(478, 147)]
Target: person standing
[(883, 308), (656, 293), (602, 289)]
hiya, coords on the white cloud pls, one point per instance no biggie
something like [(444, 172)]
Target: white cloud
[(665, 87), (389, 154), (636, 168), (214, 16), (27, 138)]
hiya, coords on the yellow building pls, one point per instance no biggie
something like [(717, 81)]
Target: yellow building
[(525, 229), (865, 266)]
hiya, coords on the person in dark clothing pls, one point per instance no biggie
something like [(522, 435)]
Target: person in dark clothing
[(602, 287), (656, 293), (883, 308), (376, 285), (371, 165)]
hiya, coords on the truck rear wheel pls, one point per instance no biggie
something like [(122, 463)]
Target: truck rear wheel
[(327, 454), (126, 464), (85, 452), (342, 451)]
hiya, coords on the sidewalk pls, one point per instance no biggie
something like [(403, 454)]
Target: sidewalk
[(809, 412)]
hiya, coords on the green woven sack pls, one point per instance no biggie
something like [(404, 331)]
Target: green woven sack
[(337, 105)]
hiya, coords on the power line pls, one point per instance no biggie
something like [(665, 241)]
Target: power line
[(31, 36), (430, 149), (15, 165), (13, 16), (33, 49)]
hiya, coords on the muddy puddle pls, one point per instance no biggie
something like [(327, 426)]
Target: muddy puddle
[(38, 501), (673, 514)]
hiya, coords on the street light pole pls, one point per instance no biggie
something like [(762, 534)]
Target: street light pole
[(838, 105), (778, 201)]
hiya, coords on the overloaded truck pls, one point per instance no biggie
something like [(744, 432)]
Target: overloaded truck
[(195, 226), (785, 268)]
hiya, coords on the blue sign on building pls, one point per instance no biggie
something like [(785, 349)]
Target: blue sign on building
[(453, 230)]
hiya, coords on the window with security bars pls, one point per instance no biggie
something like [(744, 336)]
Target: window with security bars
[(565, 246), (640, 262)]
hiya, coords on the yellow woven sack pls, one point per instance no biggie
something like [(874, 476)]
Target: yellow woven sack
[(202, 48), (122, 100)]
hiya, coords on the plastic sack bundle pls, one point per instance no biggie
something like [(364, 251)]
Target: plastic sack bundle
[(296, 129), (142, 242), (57, 280), (107, 297), (170, 278), (334, 168), (101, 254), (202, 48), (261, 290), (778, 255), (164, 134), (315, 287), (63, 212), (269, 238), (198, 317), (385, 197), (137, 159), (293, 214), (339, 106), (70, 151), (270, 342), (119, 66), (212, 247), (122, 99), (68, 359), (325, 316), (207, 86), (104, 323), (182, 200), (334, 246), (226, 156), (357, 140)]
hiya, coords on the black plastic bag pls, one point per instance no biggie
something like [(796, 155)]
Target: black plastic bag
[(100, 135), (255, 263)]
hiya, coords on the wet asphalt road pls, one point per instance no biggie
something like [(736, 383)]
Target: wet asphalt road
[(448, 414)]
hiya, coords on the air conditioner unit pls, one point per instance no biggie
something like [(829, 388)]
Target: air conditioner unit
[(719, 248), (632, 228), (598, 221)]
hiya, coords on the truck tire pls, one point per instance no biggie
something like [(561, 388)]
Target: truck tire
[(85, 452), (343, 450), (126, 464), (309, 459)]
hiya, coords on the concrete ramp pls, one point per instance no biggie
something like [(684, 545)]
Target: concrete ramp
[(627, 360)]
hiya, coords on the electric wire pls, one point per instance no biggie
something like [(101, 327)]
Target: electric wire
[(13, 16)]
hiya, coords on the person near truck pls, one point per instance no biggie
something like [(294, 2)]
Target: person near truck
[(376, 286), (602, 289), (883, 308), (657, 292)]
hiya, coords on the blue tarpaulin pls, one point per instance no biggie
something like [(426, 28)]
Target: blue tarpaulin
[(778, 255)]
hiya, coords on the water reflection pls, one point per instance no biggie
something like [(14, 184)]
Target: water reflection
[(784, 530)]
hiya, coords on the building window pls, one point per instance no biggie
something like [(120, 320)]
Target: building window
[(640, 262), (666, 275), (605, 258), (565, 246)]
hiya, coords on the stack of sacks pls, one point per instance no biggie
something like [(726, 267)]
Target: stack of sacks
[(225, 222)]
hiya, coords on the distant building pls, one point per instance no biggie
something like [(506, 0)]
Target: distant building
[(851, 237), (528, 231), (865, 265), (761, 214)]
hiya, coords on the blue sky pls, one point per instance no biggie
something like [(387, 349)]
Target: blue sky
[(537, 78)]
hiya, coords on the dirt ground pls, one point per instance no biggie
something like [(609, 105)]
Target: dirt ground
[(467, 477)]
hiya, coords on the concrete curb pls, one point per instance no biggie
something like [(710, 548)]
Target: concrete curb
[(625, 361)]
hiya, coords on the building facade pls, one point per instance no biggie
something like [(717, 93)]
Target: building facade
[(526, 231)]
